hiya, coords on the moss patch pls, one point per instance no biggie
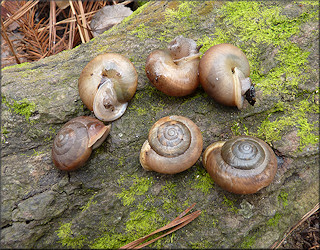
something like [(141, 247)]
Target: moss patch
[(274, 126), (256, 24), (16, 66), (144, 219), (89, 203), (230, 205), (139, 187), (67, 238), (274, 220), (248, 242), (22, 107), (283, 197), (202, 181)]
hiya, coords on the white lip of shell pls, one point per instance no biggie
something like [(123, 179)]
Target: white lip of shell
[(106, 90)]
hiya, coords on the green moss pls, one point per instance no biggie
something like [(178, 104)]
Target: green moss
[(89, 203), (52, 133), (143, 220), (202, 181), (214, 222), (4, 133), (283, 197), (274, 220), (15, 66), (121, 161), (183, 11), (203, 244), (67, 238), (22, 107), (192, 98), (296, 116), (139, 187), (109, 241), (230, 205), (142, 32), (239, 128), (134, 14), (256, 25), (138, 109), (248, 242), (140, 3), (169, 196), (178, 19), (158, 106)]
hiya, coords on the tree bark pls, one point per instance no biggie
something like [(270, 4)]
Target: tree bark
[(112, 200)]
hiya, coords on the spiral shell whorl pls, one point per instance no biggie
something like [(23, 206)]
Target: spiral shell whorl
[(174, 144), (170, 139), (71, 140), (243, 154), (242, 165)]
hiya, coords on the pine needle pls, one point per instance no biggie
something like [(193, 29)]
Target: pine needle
[(174, 225)]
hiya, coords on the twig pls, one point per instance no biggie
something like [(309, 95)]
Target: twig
[(175, 224), (52, 29), (84, 21), (5, 36), (305, 217), (78, 26), (29, 5)]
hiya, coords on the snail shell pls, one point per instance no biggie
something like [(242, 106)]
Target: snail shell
[(74, 142), (175, 71), (174, 144), (106, 84), (242, 165), (224, 75)]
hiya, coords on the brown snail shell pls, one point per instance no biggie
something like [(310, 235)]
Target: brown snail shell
[(175, 71), (242, 165), (74, 142), (224, 75), (174, 144), (106, 84)]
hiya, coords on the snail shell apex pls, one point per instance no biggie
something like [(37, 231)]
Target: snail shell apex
[(74, 142), (242, 165), (174, 144)]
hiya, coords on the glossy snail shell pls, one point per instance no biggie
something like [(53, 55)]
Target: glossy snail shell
[(106, 84), (242, 165), (174, 144), (75, 140), (224, 75), (175, 71)]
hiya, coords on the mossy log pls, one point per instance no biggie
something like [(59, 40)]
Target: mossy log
[(112, 200)]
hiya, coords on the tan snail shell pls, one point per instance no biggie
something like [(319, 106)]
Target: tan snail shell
[(175, 71), (242, 165), (75, 140), (106, 84), (174, 144), (224, 75)]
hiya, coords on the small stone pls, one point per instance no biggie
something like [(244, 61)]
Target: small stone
[(107, 17)]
